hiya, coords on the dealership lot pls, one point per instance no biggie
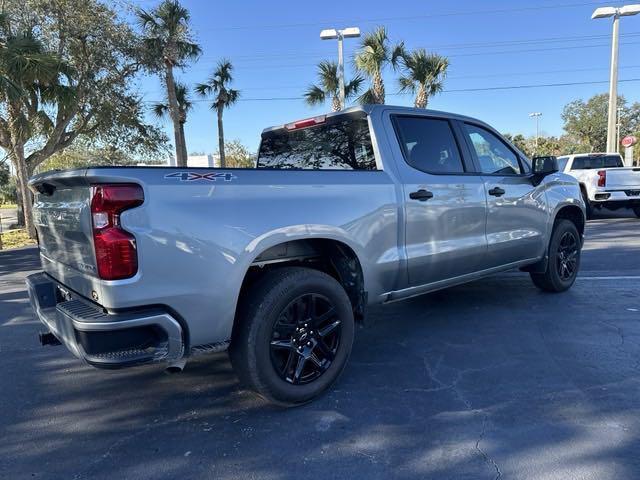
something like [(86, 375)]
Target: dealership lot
[(486, 380)]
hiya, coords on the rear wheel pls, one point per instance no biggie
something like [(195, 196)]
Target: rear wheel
[(636, 210), (293, 336), (564, 259)]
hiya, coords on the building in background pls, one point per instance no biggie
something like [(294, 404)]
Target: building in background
[(202, 161)]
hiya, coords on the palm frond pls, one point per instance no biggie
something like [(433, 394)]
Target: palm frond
[(368, 97), (353, 87), (407, 84), (398, 54), (203, 89), (328, 76), (159, 109), (314, 95)]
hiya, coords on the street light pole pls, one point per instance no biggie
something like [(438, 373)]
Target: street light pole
[(340, 35), (341, 70), (613, 87), (616, 13), (537, 116)]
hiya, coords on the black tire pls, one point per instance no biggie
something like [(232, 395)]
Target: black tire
[(564, 259), (636, 210), (270, 317)]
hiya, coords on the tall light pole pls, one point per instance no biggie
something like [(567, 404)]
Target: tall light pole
[(537, 116), (616, 13), (340, 35)]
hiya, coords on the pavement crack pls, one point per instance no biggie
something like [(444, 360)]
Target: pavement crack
[(484, 454)]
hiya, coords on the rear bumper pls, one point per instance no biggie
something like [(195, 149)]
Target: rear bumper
[(617, 198), (101, 339)]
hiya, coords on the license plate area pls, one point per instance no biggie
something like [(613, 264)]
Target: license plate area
[(632, 193)]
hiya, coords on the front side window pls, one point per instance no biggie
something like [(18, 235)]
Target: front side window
[(494, 156), (428, 144), (339, 144)]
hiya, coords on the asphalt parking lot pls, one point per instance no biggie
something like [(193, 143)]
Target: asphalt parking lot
[(493, 379)]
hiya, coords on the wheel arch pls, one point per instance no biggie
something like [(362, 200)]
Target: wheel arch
[(328, 254), (574, 214)]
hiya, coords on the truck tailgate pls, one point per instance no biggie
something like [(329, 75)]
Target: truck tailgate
[(62, 215), (623, 178)]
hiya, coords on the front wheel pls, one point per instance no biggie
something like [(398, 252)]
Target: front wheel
[(294, 335), (564, 259), (636, 210)]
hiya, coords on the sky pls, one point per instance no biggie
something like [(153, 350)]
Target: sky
[(491, 44)]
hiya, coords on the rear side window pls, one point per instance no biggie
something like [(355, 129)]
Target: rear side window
[(428, 144), (339, 144), (494, 156), (596, 161)]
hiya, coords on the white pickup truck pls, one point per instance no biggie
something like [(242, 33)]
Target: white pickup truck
[(604, 180)]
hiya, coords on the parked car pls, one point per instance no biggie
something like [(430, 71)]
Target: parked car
[(604, 181), (370, 205)]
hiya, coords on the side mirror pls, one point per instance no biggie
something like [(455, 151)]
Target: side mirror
[(544, 166)]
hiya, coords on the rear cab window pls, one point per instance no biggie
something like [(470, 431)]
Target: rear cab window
[(597, 161), (341, 142)]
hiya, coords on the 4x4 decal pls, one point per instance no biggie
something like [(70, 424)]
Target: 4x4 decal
[(210, 176)]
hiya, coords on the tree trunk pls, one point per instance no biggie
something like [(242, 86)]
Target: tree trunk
[(22, 177), (181, 148), (335, 103), (421, 97), (378, 88), (223, 163)]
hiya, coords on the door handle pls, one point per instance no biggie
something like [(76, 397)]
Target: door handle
[(497, 192), (422, 195)]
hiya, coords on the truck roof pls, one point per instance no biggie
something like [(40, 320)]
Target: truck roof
[(369, 109)]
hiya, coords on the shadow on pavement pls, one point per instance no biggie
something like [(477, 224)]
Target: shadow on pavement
[(487, 380)]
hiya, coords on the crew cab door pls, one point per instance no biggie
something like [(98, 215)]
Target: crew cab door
[(517, 215), (444, 202)]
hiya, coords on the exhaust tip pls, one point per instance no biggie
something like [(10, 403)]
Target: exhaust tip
[(175, 367), (48, 338)]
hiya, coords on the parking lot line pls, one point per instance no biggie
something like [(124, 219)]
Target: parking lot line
[(615, 277)]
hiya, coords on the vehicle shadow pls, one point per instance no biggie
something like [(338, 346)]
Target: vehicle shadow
[(491, 379)]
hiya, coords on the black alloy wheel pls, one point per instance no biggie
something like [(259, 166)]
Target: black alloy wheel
[(567, 258), (305, 339)]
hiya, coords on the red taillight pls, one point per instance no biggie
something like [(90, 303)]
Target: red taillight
[(309, 122), (116, 256), (602, 178)]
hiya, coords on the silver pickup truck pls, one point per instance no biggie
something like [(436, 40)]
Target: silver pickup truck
[(370, 205)]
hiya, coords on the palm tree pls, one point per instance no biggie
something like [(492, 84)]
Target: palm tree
[(374, 55), (329, 87), (29, 78), (423, 75), (184, 105), (218, 85), (168, 45)]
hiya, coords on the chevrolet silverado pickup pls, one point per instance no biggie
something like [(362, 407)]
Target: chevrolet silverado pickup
[(277, 263), (604, 180)]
